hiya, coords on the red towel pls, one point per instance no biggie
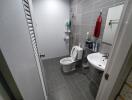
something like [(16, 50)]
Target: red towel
[(98, 26)]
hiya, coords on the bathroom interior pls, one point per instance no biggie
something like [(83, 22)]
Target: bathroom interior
[(75, 38), (71, 41)]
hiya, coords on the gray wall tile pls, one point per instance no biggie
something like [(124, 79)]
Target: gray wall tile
[(85, 14)]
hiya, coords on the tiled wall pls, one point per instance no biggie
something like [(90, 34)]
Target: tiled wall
[(84, 14)]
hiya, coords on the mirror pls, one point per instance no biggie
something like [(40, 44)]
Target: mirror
[(112, 21)]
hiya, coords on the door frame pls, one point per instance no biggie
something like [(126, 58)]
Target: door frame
[(7, 81), (6, 87), (118, 56)]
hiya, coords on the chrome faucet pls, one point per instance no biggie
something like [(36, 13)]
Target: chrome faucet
[(106, 55)]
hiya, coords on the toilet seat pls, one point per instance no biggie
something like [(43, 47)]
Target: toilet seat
[(67, 61)]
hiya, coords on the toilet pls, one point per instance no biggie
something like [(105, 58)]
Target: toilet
[(68, 63)]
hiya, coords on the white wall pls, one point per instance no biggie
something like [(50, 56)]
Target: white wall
[(17, 49), (51, 16)]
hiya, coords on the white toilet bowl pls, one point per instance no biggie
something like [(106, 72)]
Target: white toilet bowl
[(68, 63)]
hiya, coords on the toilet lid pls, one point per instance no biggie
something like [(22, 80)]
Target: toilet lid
[(74, 53)]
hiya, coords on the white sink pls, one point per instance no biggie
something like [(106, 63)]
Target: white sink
[(97, 60)]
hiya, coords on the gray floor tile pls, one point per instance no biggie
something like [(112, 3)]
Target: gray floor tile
[(73, 86)]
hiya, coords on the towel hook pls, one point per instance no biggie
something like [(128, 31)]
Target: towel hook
[(101, 11)]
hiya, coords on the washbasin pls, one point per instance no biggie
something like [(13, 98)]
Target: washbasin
[(97, 60)]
